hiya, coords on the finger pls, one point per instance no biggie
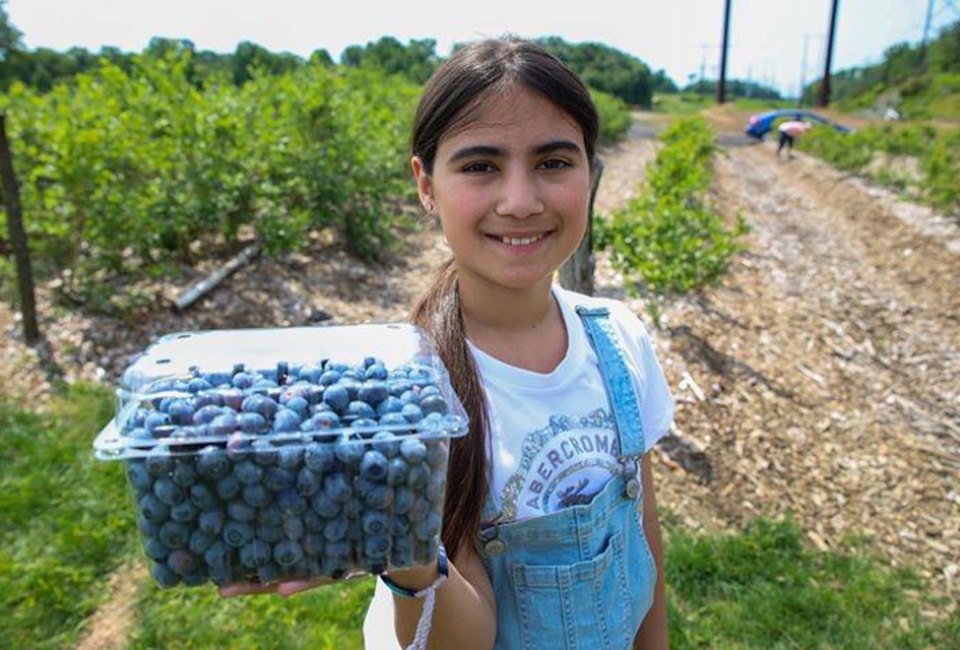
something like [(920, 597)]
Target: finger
[(292, 587), (242, 588)]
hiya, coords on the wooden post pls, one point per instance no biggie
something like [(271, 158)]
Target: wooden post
[(18, 237), (577, 272)]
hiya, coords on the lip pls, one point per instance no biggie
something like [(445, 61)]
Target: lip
[(521, 249)]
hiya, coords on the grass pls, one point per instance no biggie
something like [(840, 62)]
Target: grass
[(66, 522)]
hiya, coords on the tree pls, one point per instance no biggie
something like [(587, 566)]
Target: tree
[(10, 36)]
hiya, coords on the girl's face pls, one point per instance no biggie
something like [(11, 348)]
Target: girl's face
[(512, 190)]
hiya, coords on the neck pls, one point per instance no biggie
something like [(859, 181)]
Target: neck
[(486, 307)]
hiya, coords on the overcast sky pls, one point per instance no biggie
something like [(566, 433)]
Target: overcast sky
[(767, 36)]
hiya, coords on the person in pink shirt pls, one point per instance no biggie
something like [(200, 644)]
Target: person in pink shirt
[(789, 131)]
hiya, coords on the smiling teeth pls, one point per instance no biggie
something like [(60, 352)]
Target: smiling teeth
[(523, 241)]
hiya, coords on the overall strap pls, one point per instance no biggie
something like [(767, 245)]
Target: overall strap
[(616, 377)]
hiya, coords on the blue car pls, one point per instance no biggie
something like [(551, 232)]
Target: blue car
[(759, 125)]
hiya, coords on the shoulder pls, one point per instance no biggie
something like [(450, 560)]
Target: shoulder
[(623, 317)]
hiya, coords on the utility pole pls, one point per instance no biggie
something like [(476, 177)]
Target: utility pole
[(825, 87), (722, 82), (926, 23)]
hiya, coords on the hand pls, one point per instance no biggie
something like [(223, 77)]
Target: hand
[(285, 588)]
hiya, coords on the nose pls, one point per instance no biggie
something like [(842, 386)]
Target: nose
[(520, 195)]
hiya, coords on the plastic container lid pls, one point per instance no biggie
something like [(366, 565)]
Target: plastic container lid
[(162, 394)]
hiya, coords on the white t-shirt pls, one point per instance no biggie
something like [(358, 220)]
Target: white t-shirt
[(552, 438), (553, 441)]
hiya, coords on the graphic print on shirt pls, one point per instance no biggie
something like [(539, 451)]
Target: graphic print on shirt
[(566, 463)]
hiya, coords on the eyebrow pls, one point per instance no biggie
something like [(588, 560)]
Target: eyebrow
[(497, 152)]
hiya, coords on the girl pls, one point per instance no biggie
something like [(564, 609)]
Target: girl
[(550, 527)]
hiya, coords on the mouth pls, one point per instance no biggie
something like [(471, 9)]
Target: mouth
[(520, 239)]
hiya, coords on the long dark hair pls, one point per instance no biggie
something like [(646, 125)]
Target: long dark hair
[(451, 95)]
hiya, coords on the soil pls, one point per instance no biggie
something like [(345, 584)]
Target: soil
[(821, 378)]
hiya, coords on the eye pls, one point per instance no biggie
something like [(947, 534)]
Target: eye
[(478, 167), (555, 163)]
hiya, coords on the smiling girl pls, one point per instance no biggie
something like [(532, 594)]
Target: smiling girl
[(550, 525)]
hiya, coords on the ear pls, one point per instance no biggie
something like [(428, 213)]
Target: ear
[(424, 184)]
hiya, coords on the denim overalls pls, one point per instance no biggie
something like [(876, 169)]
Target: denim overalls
[(582, 577)]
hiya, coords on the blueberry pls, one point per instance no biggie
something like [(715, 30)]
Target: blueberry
[(247, 472), (174, 535), (397, 471), (256, 496), (200, 542), (418, 478), (322, 421), (381, 496), (158, 461), (198, 385), (270, 533), (268, 573), (153, 509), (279, 479), (294, 528), (373, 392), (237, 533), (352, 507), (182, 562), (202, 496), (358, 409), (335, 530), (224, 424), (308, 483), (218, 556), (228, 487), (390, 405), (386, 443), (287, 553), (376, 370), (336, 487), (402, 500), (158, 423), (428, 391), (264, 452), (139, 476), (437, 487), (252, 423), (375, 522), (427, 528), (147, 527), (355, 533), (232, 397), (413, 450), (311, 374), (324, 506), (255, 554), (298, 405), (350, 451), (338, 397), (400, 527), (373, 466), (329, 377), (206, 398), (410, 397), (240, 511), (211, 521), (155, 549), (242, 380), (395, 422), (184, 512), (291, 457), (411, 413), (291, 503), (377, 546), (184, 473), (164, 575), (237, 447), (270, 515), (318, 457), (212, 462), (261, 405), (286, 420), (398, 386), (419, 510), (312, 521), (313, 543)]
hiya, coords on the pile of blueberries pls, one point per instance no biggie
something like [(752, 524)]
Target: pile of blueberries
[(328, 470)]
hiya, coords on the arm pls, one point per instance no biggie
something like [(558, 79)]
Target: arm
[(465, 614), (653, 631)]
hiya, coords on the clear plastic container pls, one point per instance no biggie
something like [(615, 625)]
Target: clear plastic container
[(272, 454)]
